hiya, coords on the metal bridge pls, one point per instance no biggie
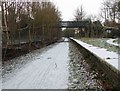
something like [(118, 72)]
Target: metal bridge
[(74, 24)]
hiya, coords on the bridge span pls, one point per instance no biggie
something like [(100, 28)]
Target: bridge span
[(74, 24)]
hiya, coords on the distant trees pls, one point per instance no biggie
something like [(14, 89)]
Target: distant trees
[(68, 32), (79, 13), (79, 16), (30, 21), (94, 29), (97, 29), (110, 12)]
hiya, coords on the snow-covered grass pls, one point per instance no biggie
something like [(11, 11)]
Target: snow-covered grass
[(101, 42)]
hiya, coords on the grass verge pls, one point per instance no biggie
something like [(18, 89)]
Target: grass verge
[(101, 42)]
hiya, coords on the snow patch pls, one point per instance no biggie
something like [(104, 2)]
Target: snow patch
[(110, 41)]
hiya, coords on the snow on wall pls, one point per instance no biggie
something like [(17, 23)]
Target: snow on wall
[(111, 58)]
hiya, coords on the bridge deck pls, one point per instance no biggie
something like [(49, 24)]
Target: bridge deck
[(74, 24)]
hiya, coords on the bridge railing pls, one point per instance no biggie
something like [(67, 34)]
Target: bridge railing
[(74, 24)]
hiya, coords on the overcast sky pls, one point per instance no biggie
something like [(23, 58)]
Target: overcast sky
[(68, 7)]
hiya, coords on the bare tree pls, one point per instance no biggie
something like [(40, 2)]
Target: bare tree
[(41, 17), (79, 16), (79, 13), (109, 11)]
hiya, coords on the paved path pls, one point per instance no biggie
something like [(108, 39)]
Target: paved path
[(48, 69)]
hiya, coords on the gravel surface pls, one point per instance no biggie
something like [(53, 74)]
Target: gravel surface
[(81, 76)]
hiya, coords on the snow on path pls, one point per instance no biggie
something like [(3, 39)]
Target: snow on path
[(110, 41), (110, 57), (48, 71)]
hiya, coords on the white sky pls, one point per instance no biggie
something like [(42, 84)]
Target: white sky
[(68, 7)]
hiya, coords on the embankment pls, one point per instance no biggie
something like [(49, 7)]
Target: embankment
[(105, 70)]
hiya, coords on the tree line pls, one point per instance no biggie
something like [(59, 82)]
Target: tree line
[(109, 19), (94, 29), (30, 21), (110, 12)]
